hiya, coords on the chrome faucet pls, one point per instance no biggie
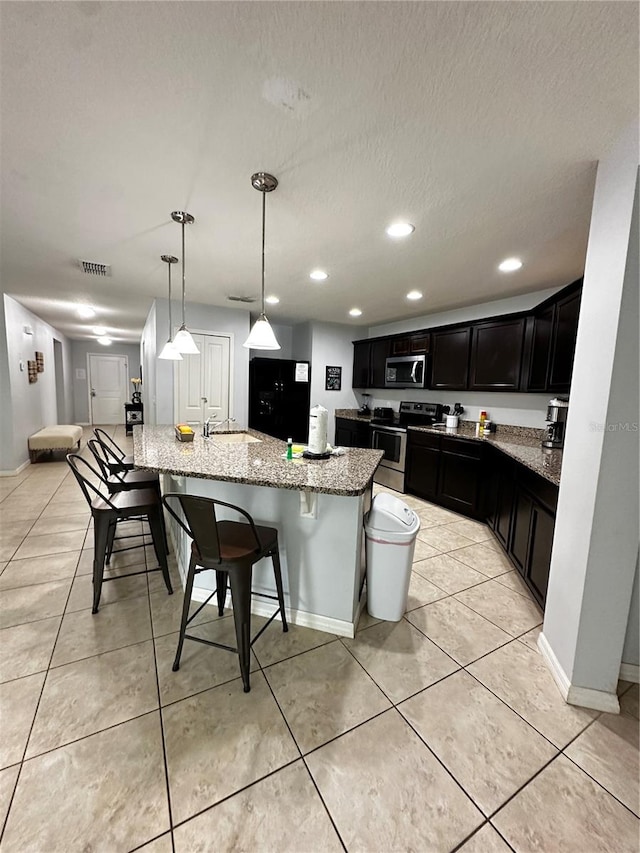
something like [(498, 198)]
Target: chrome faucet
[(209, 427)]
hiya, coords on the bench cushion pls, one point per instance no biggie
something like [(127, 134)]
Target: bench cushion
[(60, 437)]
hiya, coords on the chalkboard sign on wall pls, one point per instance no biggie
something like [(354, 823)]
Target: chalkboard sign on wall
[(333, 380)]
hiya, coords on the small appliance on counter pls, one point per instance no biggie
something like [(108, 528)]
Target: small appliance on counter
[(383, 414), (557, 411), (364, 411)]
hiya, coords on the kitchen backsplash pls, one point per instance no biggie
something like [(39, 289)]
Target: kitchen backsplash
[(527, 410)]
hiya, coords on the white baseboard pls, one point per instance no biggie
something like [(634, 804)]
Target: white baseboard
[(17, 471), (630, 672), (585, 697), (83, 423), (295, 617)]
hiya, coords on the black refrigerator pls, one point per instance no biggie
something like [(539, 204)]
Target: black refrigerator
[(279, 393)]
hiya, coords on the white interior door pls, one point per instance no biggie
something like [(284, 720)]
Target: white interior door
[(107, 388), (203, 380)]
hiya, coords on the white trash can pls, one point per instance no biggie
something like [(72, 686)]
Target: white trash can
[(390, 528)]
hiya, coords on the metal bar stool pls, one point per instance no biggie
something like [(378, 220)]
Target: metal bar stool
[(118, 461), (109, 510), (125, 481), (230, 548)]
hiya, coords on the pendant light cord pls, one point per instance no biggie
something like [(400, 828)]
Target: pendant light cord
[(183, 277), (170, 323), (264, 217)]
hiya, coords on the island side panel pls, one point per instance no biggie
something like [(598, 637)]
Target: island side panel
[(321, 557)]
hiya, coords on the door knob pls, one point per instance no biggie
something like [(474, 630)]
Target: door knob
[(93, 393)]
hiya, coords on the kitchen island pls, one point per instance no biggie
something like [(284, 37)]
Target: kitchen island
[(317, 507)]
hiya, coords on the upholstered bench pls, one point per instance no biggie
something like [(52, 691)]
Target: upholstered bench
[(60, 437)]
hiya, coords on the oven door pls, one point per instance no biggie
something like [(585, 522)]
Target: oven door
[(393, 441), (405, 372)]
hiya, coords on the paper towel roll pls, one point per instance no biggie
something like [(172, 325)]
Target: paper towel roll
[(318, 421)]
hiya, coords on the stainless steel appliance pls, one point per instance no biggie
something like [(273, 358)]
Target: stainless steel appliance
[(391, 437), (557, 411), (407, 371)]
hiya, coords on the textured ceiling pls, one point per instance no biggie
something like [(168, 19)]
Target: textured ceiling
[(481, 123)]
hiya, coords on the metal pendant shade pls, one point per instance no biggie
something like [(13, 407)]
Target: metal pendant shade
[(169, 351), (261, 335), (183, 340)]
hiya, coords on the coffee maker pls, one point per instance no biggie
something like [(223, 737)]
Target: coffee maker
[(556, 422)]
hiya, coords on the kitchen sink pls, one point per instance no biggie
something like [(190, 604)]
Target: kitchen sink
[(233, 438)]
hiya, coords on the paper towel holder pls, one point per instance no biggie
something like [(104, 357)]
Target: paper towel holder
[(307, 454)]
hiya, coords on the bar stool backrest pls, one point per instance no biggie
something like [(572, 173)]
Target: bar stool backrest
[(201, 524), (102, 459), (112, 451), (100, 489)]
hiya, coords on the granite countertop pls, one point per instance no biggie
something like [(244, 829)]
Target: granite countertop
[(351, 415), (520, 443), (260, 463)]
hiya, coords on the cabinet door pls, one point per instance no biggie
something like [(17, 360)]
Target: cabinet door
[(400, 346), (450, 359), (345, 433), (419, 344), (540, 545), (538, 375), (422, 471), (521, 524), (459, 483), (496, 355), (379, 354), (504, 503), (361, 364), (564, 342)]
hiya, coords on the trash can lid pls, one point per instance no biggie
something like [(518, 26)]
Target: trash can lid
[(390, 513)]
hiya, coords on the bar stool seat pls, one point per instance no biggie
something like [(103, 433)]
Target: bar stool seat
[(107, 511), (230, 548)]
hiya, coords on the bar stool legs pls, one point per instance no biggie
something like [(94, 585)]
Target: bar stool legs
[(191, 574), (240, 583)]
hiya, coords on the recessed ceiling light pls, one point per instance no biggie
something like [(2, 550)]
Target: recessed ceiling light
[(272, 300), (106, 342), (510, 265), (319, 275), (400, 229), (414, 294), (99, 331), (355, 312), (86, 312)]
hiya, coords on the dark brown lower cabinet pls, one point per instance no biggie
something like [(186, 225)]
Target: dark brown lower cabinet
[(422, 464), (351, 433), (481, 481)]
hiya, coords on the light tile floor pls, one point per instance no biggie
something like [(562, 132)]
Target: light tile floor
[(441, 732)]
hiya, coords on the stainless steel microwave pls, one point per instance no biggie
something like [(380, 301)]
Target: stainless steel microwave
[(407, 371)]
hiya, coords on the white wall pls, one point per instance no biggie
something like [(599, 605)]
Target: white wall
[(79, 352), (631, 650), (211, 320), (148, 351), (596, 536), (33, 406), (7, 461), (301, 342), (331, 344)]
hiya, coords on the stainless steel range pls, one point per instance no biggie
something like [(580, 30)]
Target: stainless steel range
[(389, 434)]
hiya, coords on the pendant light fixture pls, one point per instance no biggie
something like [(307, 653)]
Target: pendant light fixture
[(169, 350), (261, 335), (183, 340)]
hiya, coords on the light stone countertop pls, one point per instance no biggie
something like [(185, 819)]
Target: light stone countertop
[(155, 448), (520, 443)]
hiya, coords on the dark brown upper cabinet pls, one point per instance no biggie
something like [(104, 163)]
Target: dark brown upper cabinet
[(369, 363), (361, 364), (410, 345), (450, 358), (496, 355), (564, 342), (379, 354), (551, 342)]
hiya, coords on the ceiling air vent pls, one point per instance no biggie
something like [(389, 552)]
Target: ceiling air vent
[(242, 298), (92, 268)]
